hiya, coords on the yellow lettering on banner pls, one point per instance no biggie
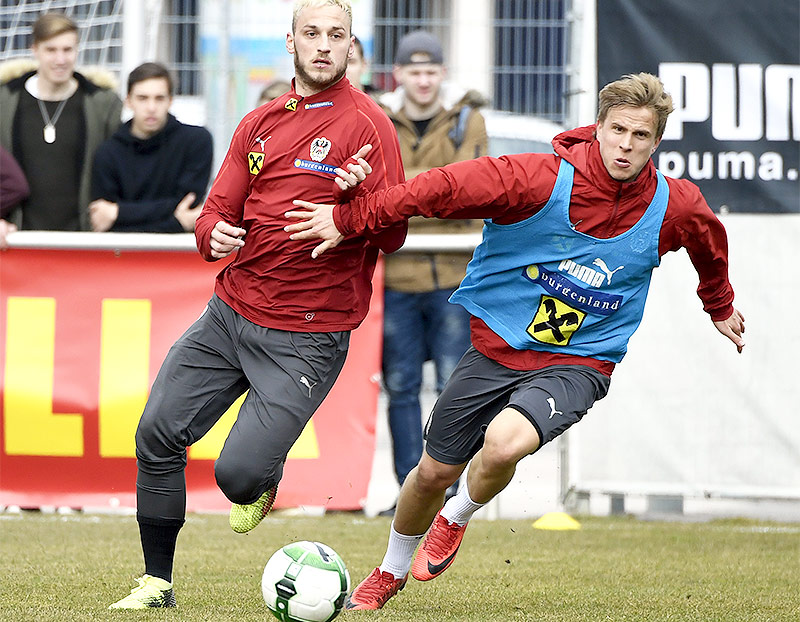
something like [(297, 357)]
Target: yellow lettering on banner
[(208, 447), (306, 446), (124, 374), (31, 426)]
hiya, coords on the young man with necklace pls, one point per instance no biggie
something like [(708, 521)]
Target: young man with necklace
[(52, 119), (437, 123)]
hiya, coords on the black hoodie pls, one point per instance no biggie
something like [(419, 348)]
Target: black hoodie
[(147, 178)]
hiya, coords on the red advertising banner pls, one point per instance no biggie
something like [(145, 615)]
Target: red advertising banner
[(83, 335)]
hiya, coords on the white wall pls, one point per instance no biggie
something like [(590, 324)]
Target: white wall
[(469, 64), (582, 67), (686, 414)]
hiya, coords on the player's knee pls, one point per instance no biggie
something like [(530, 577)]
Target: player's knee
[(433, 476), (239, 482), (156, 441), (503, 447), (496, 455), (235, 483), (235, 487)]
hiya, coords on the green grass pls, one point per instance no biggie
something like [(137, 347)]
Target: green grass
[(69, 568)]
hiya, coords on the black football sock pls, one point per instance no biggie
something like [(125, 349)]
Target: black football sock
[(159, 536)]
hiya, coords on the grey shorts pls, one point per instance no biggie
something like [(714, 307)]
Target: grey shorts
[(552, 399)]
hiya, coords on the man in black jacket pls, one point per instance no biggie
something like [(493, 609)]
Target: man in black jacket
[(152, 174)]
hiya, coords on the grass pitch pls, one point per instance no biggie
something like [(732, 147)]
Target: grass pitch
[(72, 567)]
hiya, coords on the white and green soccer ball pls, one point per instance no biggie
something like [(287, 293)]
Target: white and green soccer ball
[(305, 582)]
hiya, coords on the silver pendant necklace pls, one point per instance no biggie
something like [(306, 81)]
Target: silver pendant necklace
[(50, 124)]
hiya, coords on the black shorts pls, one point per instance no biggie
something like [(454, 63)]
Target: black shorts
[(552, 399)]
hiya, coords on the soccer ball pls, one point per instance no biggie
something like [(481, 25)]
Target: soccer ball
[(305, 582)]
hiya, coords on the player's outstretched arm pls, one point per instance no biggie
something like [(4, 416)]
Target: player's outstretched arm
[(733, 329), (225, 239), (315, 222)]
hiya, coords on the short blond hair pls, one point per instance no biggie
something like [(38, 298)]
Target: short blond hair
[(51, 25), (640, 90), (299, 5)]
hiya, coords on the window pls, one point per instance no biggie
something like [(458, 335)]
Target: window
[(530, 49), (393, 19), (172, 34), (530, 57)]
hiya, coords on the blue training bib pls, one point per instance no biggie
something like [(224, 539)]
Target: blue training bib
[(541, 285)]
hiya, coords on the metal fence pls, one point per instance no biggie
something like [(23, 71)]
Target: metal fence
[(393, 19), (529, 41), (100, 23), (530, 44), (172, 24), (181, 20)]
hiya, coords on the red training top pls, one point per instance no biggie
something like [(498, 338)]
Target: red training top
[(284, 150), (512, 188)]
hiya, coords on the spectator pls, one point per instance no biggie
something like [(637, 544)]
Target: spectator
[(357, 67), (13, 190), (274, 88), (52, 119), (435, 126), (152, 174)]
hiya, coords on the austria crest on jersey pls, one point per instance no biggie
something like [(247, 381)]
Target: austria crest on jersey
[(320, 147)]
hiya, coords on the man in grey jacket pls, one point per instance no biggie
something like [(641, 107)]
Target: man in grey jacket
[(52, 119)]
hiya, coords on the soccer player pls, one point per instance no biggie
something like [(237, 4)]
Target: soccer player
[(278, 324), (555, 289)]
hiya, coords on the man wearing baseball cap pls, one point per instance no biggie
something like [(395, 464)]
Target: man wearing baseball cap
[(437, 124)]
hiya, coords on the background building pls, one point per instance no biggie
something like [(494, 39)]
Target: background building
[(734, 68), (516, 52)]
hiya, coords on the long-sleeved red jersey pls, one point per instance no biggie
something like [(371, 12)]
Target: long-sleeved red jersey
[(512, 188), (284, 150)]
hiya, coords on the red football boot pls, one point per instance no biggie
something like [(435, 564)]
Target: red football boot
[(438, 549), (375, 590)]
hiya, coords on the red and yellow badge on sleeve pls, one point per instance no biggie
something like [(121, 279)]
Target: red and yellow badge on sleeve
[(255, 160)]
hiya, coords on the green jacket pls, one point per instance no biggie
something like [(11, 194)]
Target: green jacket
[(102, 111), (456, 133)]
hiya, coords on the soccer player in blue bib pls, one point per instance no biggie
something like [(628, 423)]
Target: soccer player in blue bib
[(555, 289)]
